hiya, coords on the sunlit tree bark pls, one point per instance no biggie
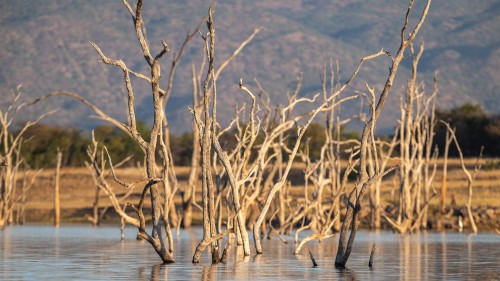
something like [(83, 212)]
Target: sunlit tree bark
[(351, 220)]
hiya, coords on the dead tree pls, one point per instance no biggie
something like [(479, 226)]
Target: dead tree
[(351, 220), (415, 134), (273, 138), (442, 201), (378, 158), (57, 190), (97, 165), (379, 153), (149, 148), (208, 189), (209, 140), (325, 172), (470, 178), (11, 161), (372, 253), (97, 169), (238, 167), (156, 136), (168, 170), (21, 204), (332, 101), (257, 176), (429, 128), (189, 193), (96, 217), (333, 142), (332, 148)]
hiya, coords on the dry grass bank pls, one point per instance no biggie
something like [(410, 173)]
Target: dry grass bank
[(78, 191)]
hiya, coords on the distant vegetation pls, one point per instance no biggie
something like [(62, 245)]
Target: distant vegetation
[(474, 128), (42, 141)]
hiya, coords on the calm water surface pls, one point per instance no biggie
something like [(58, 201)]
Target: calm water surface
[(82, 252)]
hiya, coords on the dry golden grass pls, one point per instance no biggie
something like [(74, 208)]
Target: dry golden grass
[(78, 189)]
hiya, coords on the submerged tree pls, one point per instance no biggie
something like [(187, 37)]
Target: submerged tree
[(416, 133), (206, 129), (351, 220), (470, 177), (12, 163), (149, 145)]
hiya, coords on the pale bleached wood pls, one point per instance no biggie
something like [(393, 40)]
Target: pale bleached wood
[(11, 161), (159, 214), (470, 177), (57, 190), (351, 222)]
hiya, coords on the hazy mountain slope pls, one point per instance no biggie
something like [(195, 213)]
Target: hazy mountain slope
[(45, 47)]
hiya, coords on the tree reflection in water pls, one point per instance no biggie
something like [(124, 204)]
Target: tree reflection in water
[(208, 273), (100, 254), (347, 274)]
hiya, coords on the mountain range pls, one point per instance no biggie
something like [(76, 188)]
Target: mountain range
[(45, 47)]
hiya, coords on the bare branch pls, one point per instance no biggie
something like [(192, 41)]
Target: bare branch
[(132, 132)]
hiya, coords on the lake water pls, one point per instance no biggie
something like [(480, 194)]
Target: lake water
[(82, 252)]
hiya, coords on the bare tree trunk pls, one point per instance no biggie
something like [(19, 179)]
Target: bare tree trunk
[(470, 178), (442, 205), (57, 200), (378, 207), (11, 160), (170, 184), (208, 191), (371, 172), (189, 195), (337, 166), (22, 214), (430, 124), (351, 220), (416, 136), (160, 212), (209, 140), (95, 207)]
